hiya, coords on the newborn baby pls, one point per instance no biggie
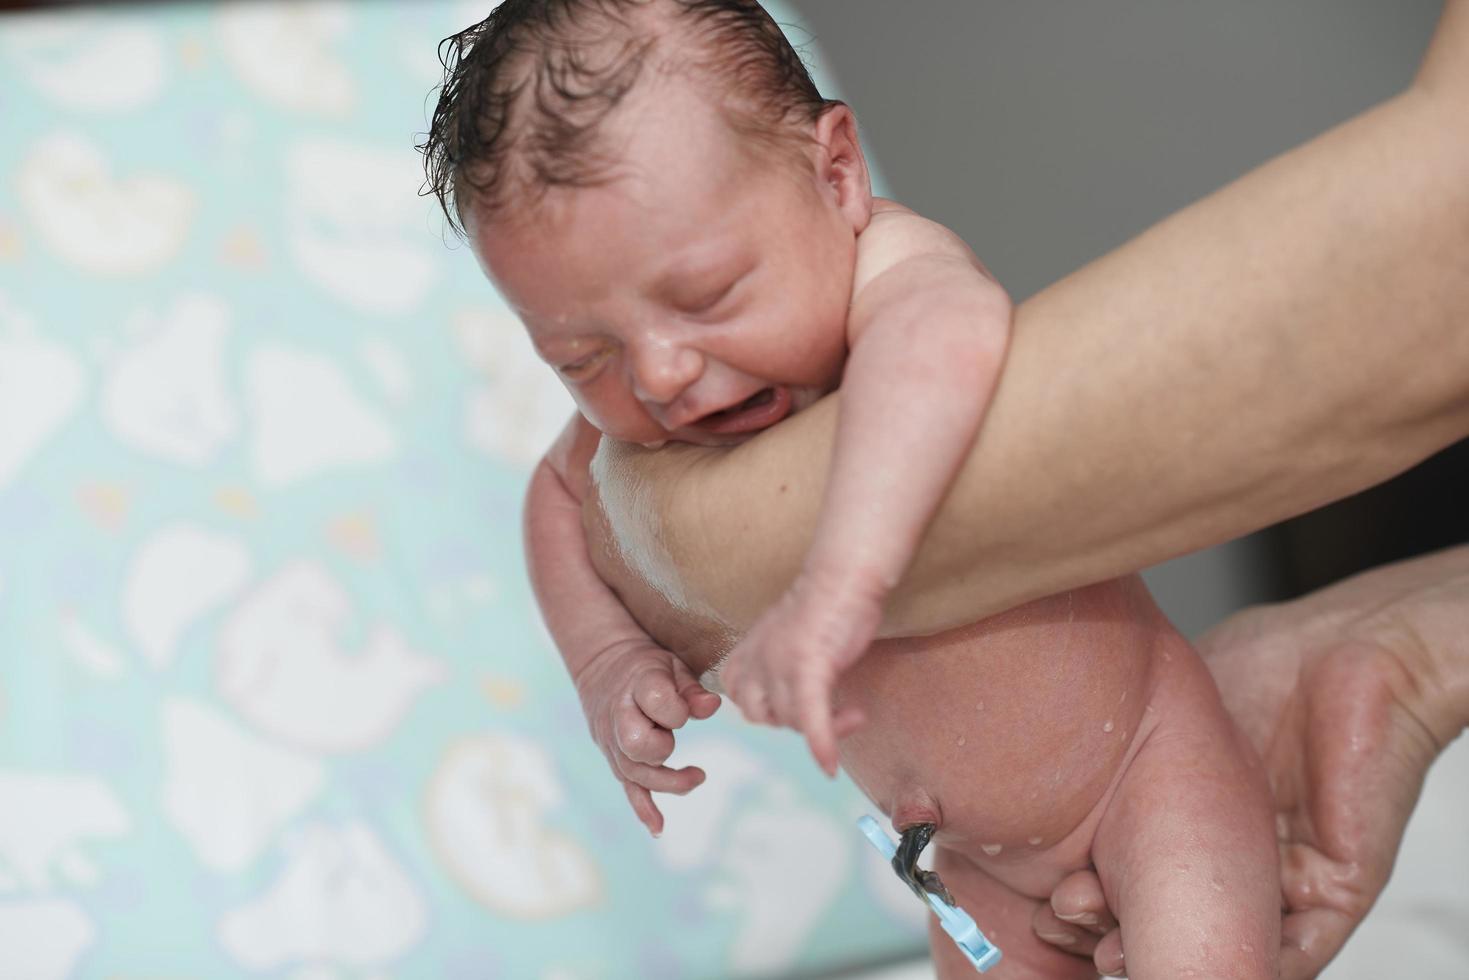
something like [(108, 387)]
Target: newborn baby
[(687, 230)]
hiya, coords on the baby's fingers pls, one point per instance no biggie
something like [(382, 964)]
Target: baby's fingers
[(821, 736), (639, 739), (745, 689), (847, 721), (814, 718), (702, 702), (655, 693), (661, 779), (645, 808)]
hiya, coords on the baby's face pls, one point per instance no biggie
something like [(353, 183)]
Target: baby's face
[(699, 296)]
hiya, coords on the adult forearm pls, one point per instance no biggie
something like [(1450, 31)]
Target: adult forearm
[(1294, 338), (1291, 339)]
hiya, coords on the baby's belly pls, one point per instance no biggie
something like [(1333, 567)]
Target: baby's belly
[(1007, 733)]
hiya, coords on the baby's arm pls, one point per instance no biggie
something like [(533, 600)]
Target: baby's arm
[(633, 691), (928, 331), (927, 334)]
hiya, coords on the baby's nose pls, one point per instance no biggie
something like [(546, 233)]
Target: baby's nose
[(662, 372)]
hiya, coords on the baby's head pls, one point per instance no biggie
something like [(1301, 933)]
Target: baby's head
[(659, 190)]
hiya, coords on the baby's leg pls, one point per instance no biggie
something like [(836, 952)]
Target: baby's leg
[(1186, 849), (1004, 916)]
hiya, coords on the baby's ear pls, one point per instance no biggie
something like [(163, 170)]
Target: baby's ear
[(842, 166)]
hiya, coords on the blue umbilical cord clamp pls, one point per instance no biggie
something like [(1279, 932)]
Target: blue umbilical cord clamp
[(956, 922)]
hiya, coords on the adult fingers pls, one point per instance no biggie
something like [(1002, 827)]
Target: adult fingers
[(1071, 938), (1108, 958), (1309, 939), (643, 805), (1079, 900)]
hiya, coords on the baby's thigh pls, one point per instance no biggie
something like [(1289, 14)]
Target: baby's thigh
[(1004, 916), (1186, 850)]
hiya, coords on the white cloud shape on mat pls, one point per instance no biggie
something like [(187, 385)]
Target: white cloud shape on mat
[(98, 657), (166, 394), (45, 817), (87, 62), (94, 221), (341, 898), (356, 227), (44, 939), (518, 407), (486, 814), (765, 847), (388, 367), (179, 573), (40, 389), (307, 418), (284, 664), (227, 791), (281, 50), (694, 825)]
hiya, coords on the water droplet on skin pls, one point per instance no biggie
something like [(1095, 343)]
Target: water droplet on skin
[(1034, 841), (960, 740), (1107, 727), (1123, 698), (979, 707), (1246, 948), (1167, 658), (992, 849)]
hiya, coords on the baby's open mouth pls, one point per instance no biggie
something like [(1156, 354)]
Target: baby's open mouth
[(764, 408)]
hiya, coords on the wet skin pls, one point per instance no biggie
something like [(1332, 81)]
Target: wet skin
[(1011, 738), (1005, 734)]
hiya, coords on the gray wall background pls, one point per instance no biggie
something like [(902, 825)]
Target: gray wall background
[(1048, 132)]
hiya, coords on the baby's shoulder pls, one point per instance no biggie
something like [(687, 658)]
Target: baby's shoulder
[(895, 233), (888, 217), (895, 228), (570, 456)]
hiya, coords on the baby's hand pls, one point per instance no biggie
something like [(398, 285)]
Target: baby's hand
[(784, 670), (634, 694)]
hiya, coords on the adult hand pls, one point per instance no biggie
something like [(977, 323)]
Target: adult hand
[(1348, 695)]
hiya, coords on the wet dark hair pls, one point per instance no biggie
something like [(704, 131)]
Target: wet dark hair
[(526, 89)]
